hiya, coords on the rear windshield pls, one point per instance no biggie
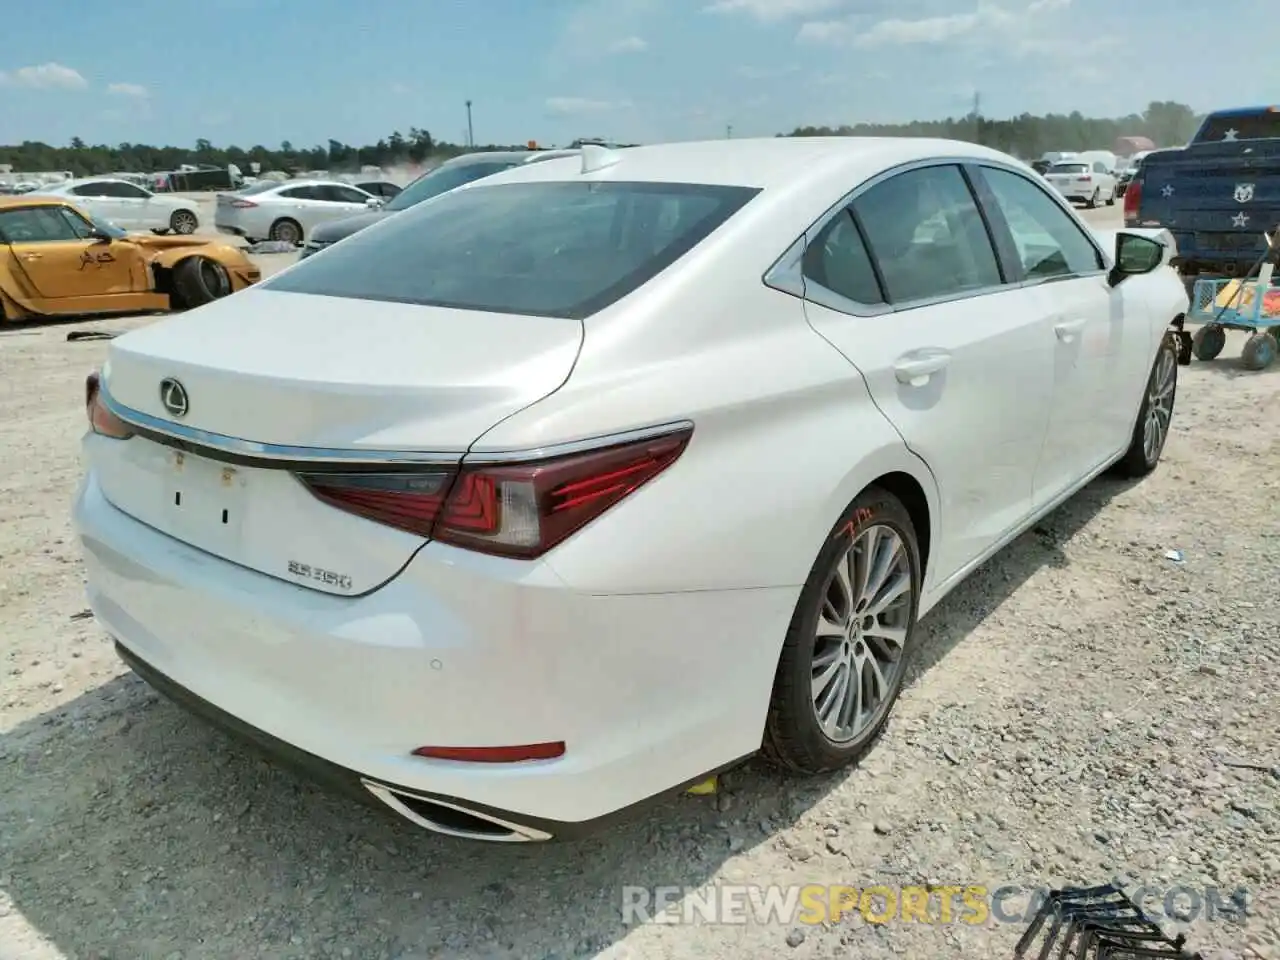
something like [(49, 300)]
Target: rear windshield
[(1069, 168), (443, 179), (1264, 125), (551, 248)]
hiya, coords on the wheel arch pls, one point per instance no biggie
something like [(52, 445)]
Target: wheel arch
[(898, 471)]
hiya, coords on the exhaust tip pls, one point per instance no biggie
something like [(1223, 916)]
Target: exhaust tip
[(452, 820)]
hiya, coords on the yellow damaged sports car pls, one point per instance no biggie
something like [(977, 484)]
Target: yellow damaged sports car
[(57, 261)]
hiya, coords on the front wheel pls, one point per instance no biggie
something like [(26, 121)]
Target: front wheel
[(183, 222), (846, 651), (1155, 417)]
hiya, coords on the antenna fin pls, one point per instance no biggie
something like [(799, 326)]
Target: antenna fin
[(595, 157)]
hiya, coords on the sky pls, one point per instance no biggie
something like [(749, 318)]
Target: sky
[(251, 72)]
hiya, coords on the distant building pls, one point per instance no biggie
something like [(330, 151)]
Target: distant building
[(1128, 146)]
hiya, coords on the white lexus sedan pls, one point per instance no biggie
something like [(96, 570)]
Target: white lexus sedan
[(585, 480), (128, 205)]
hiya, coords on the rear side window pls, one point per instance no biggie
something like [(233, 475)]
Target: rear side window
[(301, 193), (552, 249), (838, 260)]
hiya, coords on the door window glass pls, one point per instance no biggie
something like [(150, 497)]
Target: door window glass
[(35, 225), (1049, 242), (927, 235)]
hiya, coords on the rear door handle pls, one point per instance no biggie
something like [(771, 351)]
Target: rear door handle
[(1066, 330), (915, 369), (32, 256)]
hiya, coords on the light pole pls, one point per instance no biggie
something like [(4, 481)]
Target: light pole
[(471, 136), (728, 131)]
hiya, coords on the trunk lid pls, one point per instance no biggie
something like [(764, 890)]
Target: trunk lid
[(312, 373)]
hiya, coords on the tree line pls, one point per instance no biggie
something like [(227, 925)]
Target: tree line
[(1166, 123)]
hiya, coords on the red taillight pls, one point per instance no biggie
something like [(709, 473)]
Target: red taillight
[(243, 204), (509, 509), (1132, 198), (530, 751), (1087, 177), (101, 420)]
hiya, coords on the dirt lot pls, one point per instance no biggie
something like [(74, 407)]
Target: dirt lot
[(1075, 713)]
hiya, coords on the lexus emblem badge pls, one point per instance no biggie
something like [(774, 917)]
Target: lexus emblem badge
[(174, 397)]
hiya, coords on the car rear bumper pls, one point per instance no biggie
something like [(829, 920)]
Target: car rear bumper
[(648, 692)]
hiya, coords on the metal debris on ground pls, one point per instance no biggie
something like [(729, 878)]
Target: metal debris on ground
[(1092, 923), (75, 335)]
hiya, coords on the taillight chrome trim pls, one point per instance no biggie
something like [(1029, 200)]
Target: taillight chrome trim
[(481, 458)]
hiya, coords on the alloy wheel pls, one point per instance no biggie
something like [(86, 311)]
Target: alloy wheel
[(861, 634), (1159, 406)]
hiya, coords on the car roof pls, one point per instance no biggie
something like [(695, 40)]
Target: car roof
[(79, 180), (31, 200), (761, 163)]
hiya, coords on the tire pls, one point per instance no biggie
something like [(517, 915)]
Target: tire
[(199, 280), (1162, 389), (160, 231), (1208, 341), (794, 737), (286, 231), (1111, 198), (1259, 351), (184, 222), (1092, 201)]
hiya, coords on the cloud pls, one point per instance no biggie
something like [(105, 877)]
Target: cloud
[(578, 106), (46, 76), (629, 45), (987, 23), (135, 90), (771, 11)]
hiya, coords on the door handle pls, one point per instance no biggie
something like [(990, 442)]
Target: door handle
[(916, 370), (1066, 330), (32, 256)]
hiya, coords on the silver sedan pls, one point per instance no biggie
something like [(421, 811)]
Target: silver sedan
[(288, 210)]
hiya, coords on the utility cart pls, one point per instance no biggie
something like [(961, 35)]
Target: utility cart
[(1249, 303)]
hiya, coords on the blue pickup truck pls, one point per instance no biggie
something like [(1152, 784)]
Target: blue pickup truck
[(1217, 195)]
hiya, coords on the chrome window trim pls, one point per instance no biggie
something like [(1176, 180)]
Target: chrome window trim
[(222, 446), (785, 274)]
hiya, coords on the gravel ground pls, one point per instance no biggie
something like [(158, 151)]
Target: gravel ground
[(1076, 712)]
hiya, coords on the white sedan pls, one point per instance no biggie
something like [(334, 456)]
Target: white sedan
[(288, 211), (1085, 181), (584, 480), (128, 205)]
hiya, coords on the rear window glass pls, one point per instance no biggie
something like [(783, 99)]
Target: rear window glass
[(1069, 168), (1264, 125), (551, 249)]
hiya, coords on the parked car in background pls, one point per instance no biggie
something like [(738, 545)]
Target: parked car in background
[(289, 211), (383, 189), (450, 174), (128, 205), (1128, 171), (1087, 182), (57, 260), (452, 511)]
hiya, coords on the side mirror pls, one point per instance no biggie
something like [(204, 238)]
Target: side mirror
[(99, 236), (373, 203), (1135, 255)]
